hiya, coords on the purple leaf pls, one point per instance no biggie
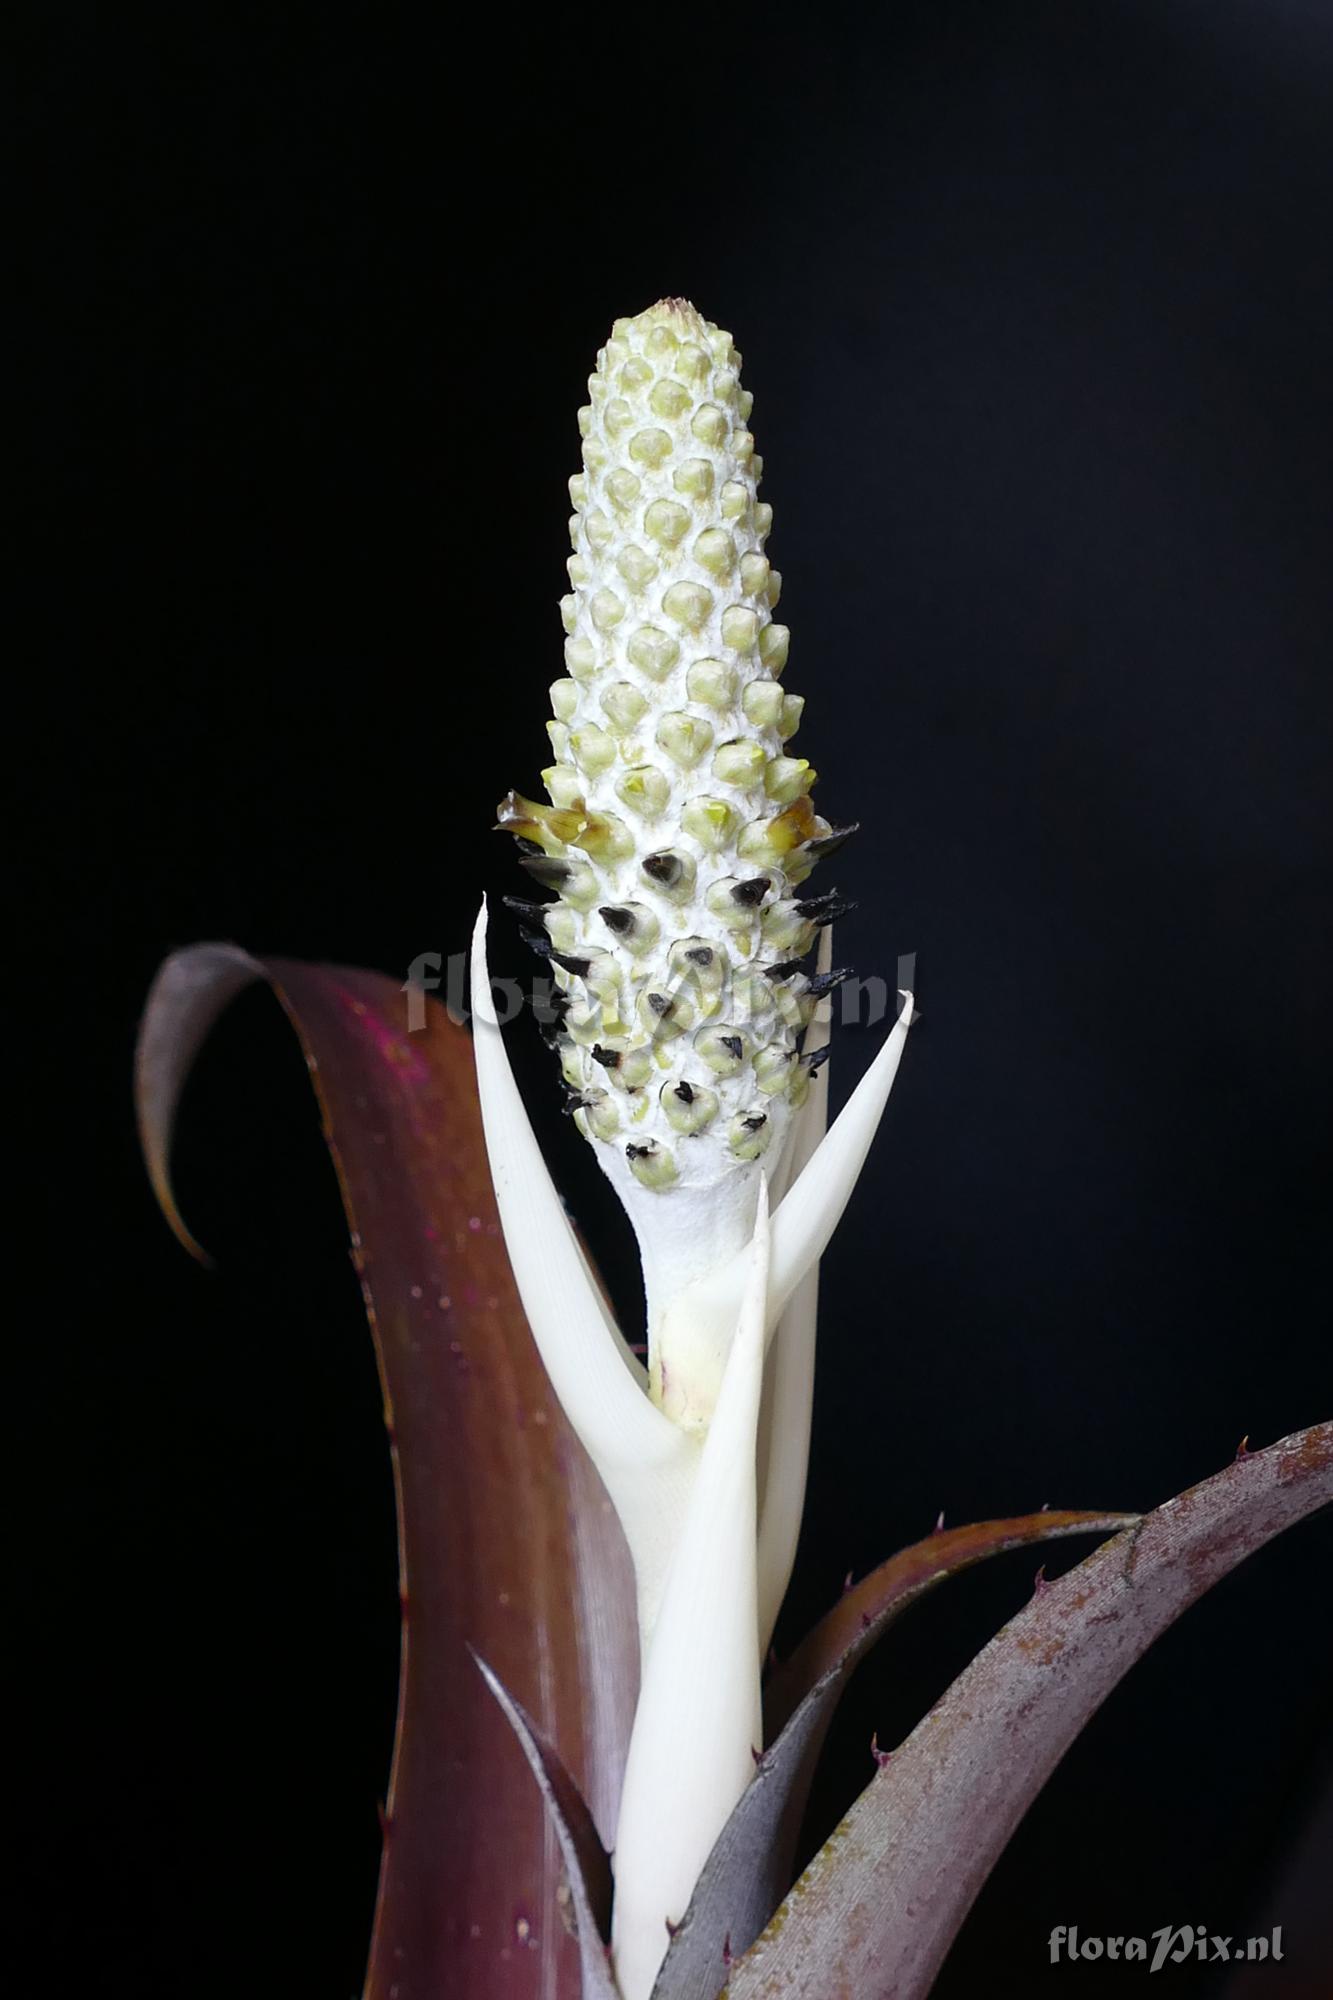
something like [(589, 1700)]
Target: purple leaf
[(587, 1866), (506, 1538), (750, 1866), (842, 1636), (877, 1909)]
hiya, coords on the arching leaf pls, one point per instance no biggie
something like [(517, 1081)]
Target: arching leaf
[(874, 1914), (506, 1539)]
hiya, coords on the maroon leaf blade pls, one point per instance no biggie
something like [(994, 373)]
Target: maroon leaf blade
[(843, 1634), (587, 1864), (191, 989), (876, 1911), (506, 1538), (750, 1866)]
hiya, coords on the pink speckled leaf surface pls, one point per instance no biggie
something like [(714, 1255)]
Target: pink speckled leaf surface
[(507, 1542)]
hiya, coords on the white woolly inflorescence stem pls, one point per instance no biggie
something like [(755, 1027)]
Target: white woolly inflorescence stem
[(699, 1725)]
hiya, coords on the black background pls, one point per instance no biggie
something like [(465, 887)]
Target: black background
[(1036, 307)]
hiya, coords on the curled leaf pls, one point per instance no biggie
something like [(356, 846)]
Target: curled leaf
[(190, 991), (877, 1909), (480, 1451)]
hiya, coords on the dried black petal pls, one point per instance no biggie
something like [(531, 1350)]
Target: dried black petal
[(821, 983), (544, 868), (824, 909), (829, 843)]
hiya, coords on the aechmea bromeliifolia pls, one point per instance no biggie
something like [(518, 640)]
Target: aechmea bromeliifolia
[(678, 841)]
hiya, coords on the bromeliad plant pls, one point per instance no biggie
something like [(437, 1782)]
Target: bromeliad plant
[(600, 1546)]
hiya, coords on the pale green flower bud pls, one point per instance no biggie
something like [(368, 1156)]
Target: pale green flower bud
[(712, 683), (685, 738), (652, 1164), (762, 702), (688, 1107), (740, 762), (710, 823)]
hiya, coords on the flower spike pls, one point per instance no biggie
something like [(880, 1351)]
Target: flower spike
[(680, 827), (677, 844)]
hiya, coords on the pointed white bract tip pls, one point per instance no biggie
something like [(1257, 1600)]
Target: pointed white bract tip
[(482, 1005), (814, 1204), (754, 1305), (705, 1313), (645, 1462), (582, 1353)]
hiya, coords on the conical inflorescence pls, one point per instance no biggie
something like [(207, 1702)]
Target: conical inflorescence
[(680, 830)]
